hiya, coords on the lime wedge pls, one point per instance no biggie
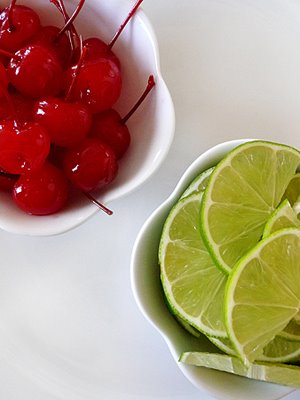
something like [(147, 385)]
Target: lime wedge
[(243, 191), (194, 287), (283, 217), (292, 192), (199, 183), (263, 293), (276, 373)]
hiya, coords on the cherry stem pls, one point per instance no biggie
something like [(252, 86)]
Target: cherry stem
[(71, 19), (10, 15), (98, 204), (75, 74), (59, 4), (120, 30), (149, 87)]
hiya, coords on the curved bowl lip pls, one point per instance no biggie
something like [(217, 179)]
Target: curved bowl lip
[(204, 161), (51, 229)]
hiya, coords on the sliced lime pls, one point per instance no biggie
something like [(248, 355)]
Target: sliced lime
[(269, 372), (263, 293), (243, 191), (194, 287), (199, 183)]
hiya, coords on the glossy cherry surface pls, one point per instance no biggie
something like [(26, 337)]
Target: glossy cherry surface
[(35, 71), (18, 24), (41, 192), (98, 84), (90, 165), (66, 123), (23, 147)]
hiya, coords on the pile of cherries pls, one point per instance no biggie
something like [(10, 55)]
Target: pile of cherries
[(57, 124)]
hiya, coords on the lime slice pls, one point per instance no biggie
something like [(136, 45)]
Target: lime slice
[(293, 189), (263, 293), (243, 191), (194, 287), (283, 217), (199, 183), (282, 374)]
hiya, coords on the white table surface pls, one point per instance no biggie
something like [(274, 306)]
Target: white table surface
[(70, 329)]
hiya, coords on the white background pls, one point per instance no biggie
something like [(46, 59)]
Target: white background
[(69, 326)]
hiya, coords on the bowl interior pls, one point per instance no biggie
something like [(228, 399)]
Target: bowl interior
[(151, 127), (147, 290)]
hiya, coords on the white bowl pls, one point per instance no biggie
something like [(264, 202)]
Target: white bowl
[(147, 291), (152, 127)]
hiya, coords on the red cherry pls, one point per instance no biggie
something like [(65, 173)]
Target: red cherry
[(90, 165), (22, 148), (36, 71), (98, 84), (42, 192), (108, 127), (66, 123), (47, 36), (17, 25)]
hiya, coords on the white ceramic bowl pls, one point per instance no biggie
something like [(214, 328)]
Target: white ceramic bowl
[(148, 294), (152, 127)]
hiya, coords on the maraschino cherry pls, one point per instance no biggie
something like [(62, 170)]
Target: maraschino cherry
[(90, 165), (41, 192), (98, 84), (111, 128), (18, 24), (35, 71)]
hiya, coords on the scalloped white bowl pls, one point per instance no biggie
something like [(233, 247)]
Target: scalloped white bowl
[(147, 291), (152, 126)]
